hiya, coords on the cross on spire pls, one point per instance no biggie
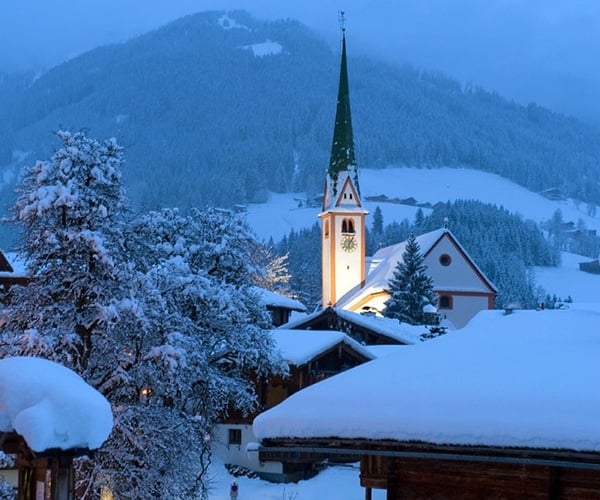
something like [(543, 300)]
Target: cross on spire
[(342, 19)]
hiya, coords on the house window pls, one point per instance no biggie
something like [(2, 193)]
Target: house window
[(347, 226), (326, 229), (235, 436), (445, 259), (445, 302)]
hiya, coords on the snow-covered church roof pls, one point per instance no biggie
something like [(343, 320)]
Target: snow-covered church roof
[(384, 261), (528, 379)]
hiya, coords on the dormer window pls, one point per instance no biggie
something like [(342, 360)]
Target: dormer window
[(348, 226)]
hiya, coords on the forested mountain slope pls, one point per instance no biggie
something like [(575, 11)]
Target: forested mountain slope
[(218, 108)]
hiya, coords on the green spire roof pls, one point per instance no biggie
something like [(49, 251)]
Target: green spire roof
[(342, 149)]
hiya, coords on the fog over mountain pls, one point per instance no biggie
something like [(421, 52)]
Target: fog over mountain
[(542, 51), (219, 108)]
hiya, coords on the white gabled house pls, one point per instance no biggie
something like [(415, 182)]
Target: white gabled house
[(461, 287)]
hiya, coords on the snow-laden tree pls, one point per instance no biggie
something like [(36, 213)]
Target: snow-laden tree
[(206, 323), (275, 276), (79, 308), (68, 211), (411, 288), (199, 269), (157, 315)]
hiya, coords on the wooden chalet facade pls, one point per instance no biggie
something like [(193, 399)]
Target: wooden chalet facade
[(592, 267), (423, 471), (48, 475), (8, 275), (280, 307), (507, 408), (311, 357)]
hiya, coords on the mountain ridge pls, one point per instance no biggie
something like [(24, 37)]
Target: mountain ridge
[(206, 122)]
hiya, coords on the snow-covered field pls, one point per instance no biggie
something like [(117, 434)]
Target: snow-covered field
[(568, 280), (281, 213), (334, 483)]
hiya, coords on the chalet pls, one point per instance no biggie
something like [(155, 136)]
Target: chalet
[(367, 329), (462, 289), (592, 266), (12, 272), (311, 357), (280, 306), (507, 408)]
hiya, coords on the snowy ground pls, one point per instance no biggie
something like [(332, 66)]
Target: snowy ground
[(282, 212), (334, 483), (568, 280)]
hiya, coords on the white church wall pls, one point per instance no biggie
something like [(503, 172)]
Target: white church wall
[(464, 307), (458, 274)]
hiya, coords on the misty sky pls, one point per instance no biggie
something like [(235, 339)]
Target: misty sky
[(544, 51)]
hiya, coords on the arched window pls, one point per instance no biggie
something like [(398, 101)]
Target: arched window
[(445, 302), (326, 229), (348, 226)]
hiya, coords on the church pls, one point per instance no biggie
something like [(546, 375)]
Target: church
[(352, 282)]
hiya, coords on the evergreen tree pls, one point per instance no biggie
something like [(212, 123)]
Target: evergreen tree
[(411, 288), (419, 219), (304, 263), (375, 235), (377, 225), (157, 315)]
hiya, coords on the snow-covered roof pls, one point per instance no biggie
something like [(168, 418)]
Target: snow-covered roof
[(18, 265), (269, 298), (51, 406), (383, 264), (527, 379), (379, 351), (298, 347), (392, 328)]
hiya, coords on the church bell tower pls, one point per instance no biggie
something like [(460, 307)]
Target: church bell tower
[(343, 243)]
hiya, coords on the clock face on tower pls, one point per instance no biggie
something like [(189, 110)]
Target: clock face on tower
[(348, 243)]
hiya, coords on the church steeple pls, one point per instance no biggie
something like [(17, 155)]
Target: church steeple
[(342, 150), (343, 242)]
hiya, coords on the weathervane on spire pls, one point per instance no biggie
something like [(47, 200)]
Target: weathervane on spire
[(342, 19)]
